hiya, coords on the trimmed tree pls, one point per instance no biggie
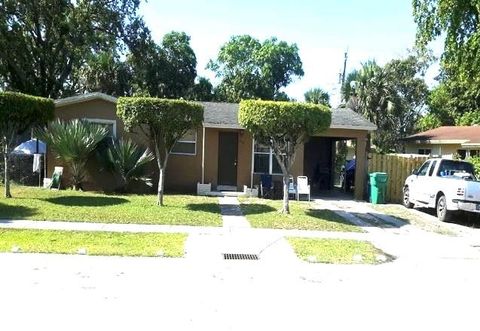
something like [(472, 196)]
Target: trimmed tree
[(18, 113), (283, 126), (163, 122)]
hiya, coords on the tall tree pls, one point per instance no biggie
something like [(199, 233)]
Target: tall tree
[(163, 122), (45, 42), (251, 69), (283, 126), (167, 70), (317, 96), (201, 91), (105, 72), (391, 97), (458, 23)]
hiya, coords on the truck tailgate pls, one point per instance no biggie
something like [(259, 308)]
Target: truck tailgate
[(472, 191)]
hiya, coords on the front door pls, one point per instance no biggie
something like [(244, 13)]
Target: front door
[(227, 158)]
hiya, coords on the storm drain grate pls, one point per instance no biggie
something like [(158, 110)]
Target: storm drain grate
[(238, 256)]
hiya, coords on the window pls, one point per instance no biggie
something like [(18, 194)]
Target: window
[(264, 160), (111, 125), (424, 151), (474, 152), (462, 153), (423, 169), (450, 167), (187, 145)]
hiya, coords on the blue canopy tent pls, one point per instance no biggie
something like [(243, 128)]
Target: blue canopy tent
[(36, 148)]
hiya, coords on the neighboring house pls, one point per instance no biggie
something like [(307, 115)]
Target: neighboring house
[(222, 153), (446, 142)]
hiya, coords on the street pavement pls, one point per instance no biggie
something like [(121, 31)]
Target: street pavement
[(433, 284)]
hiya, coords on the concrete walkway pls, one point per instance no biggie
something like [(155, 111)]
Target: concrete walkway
[(238, 237)]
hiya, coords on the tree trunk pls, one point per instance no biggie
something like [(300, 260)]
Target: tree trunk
[(6, 159), (161, 181), (286, 206)]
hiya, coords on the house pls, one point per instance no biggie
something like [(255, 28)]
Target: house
[(446, 141), (222, 153)]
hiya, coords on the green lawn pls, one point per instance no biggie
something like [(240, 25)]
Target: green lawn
[(339, 251), (95, 243), (263, 213), (42, 204)]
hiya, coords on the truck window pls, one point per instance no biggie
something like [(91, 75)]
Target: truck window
[(432, 168), (423, 169), (450, 167)]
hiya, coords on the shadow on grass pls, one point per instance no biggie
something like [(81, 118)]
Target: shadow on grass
[(15, 212), (256, 208), (80, 201), (213, 208)]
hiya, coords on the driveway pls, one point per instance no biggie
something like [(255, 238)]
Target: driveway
[(433, 284)]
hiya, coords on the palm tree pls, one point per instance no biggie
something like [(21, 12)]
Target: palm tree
[(73, 142), (128, 160)]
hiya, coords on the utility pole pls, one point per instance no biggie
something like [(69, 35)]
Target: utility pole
[(344, 67)]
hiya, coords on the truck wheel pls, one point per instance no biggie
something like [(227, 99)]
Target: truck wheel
[(406, 198), (443, 214)]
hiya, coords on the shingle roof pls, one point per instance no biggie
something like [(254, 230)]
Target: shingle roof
[(225, 115), (452, 134), (346, 118), (220, 115)]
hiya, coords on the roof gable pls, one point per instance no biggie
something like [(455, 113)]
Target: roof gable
[(84, 98)]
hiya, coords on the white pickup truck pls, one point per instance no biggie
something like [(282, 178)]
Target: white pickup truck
[(446, 185)]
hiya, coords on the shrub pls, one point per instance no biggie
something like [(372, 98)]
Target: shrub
[(129, 161), (73, 142)]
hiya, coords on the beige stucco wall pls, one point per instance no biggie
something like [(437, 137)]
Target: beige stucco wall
[(446, 151), (185, 171), (93, 109)]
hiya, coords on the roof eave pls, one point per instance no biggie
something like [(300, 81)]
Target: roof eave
[(84, 98), (354, 127)]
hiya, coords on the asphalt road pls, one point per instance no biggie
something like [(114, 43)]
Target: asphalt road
[(60, 292)]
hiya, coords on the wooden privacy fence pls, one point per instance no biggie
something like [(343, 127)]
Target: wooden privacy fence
[(398, 167)]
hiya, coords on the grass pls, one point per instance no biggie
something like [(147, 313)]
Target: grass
[(337, 251), (262, 213), (413, 218), (95, 243), (40, 204)]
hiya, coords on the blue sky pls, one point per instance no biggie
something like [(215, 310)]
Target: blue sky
[(323, 31)]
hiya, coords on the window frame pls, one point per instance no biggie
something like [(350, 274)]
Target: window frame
[(103, 121), (194, 142), (271, 156), (424, 151), (426, 165)]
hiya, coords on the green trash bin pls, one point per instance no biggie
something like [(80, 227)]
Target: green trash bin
[(378, 187)]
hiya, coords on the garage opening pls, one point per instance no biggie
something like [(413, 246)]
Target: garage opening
[(329, 163)]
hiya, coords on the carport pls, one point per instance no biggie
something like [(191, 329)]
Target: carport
[(321, 161)]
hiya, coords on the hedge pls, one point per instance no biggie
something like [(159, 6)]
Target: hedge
[(168, 113), (23, 111), (273, 118)]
